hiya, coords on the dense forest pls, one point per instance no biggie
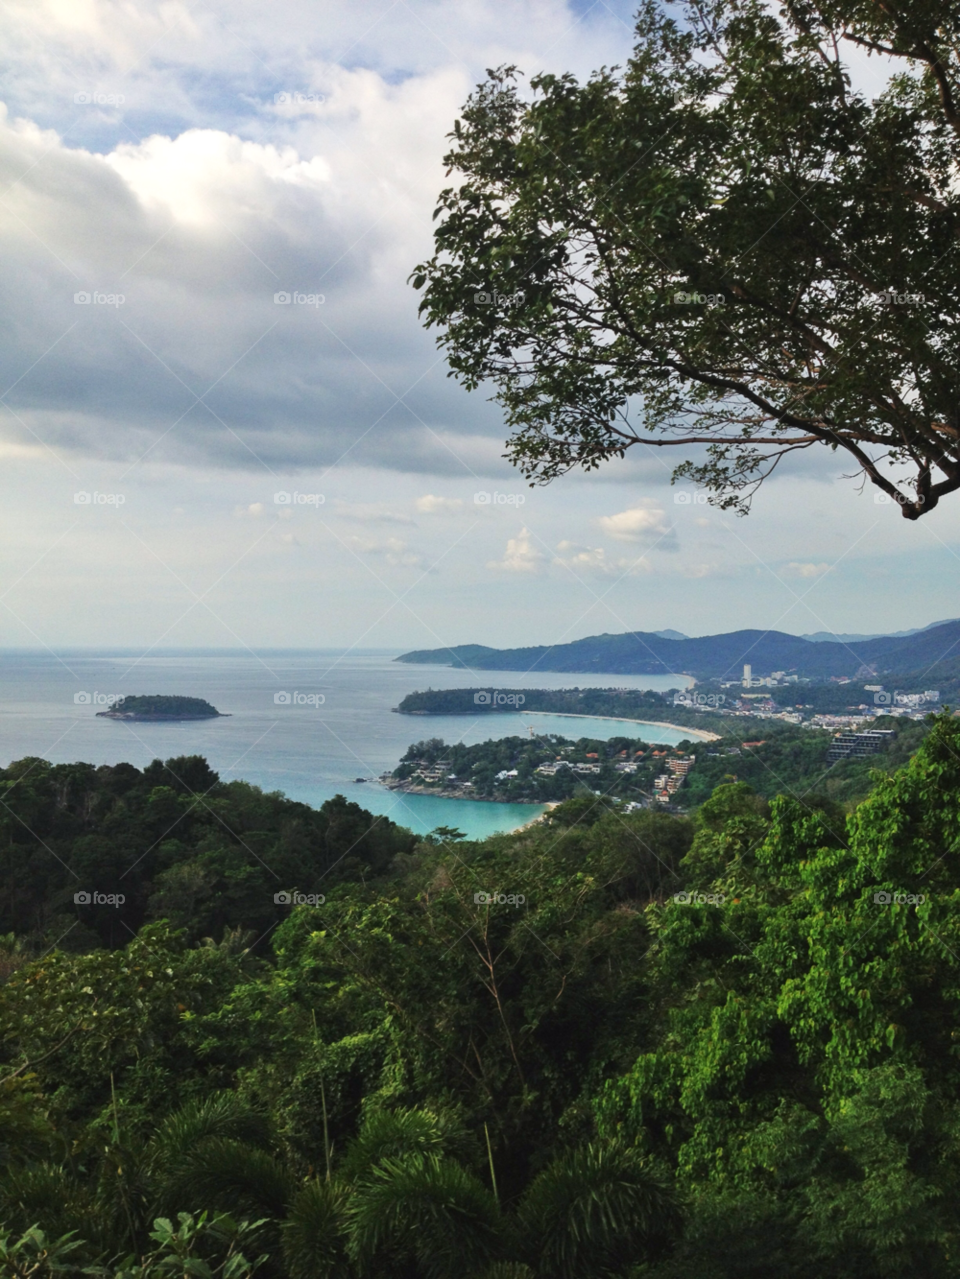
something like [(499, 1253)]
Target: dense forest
[(607, 1045)]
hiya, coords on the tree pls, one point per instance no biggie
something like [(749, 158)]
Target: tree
[(724, 246)]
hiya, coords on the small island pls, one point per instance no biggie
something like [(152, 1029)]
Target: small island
[(161, 706)]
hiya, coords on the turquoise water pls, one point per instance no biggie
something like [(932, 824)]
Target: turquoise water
[(310, 751)]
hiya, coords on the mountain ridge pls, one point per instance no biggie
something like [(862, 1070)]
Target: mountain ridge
[(934, 651)]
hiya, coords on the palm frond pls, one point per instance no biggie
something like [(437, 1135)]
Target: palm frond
[(394, 1134), (427, 1208), (313, 1234), (593, 1210)]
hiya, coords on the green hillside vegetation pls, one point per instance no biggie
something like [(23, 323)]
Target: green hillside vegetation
[(161, 706), (784, 759), (619, 703), (524, 1058), (175, 841)]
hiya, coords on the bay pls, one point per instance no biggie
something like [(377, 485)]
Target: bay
[(308, 723)]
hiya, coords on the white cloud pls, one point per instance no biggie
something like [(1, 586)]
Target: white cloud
[(367, 513), (639, 524), (806, 570), (521, 556), (586, 559), (430, 505), (393, 550)]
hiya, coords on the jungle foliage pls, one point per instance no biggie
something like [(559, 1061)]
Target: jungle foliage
[(721, 1046)]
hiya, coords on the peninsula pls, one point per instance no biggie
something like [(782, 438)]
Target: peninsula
[(161, 706)]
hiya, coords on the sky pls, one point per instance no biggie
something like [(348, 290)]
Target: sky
[(187, 459)]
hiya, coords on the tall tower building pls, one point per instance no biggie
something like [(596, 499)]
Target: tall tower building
[(747, 675)]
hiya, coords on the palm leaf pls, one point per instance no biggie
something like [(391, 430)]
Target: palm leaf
[(427, 1208), (593, 1210), (394, 1134), (313, 1234)]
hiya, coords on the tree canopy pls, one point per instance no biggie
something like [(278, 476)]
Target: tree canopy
[(721, 1046), (725, 246)]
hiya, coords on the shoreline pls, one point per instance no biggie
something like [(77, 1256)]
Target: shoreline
[(404, 789), (702, 733), (548, 808)]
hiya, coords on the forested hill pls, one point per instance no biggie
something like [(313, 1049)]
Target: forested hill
[(621, 1045), (936, 652)]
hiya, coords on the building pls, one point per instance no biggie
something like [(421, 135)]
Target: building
[(747, 675), (858, 745)]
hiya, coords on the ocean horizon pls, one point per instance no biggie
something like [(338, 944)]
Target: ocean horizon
[(338, 726)]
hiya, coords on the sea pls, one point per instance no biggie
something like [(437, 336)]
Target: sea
[(308, 723)]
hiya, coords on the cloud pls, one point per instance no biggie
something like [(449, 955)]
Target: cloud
[(370, 514), (640, 524), (393, 550), (585, 559), (806, 570), (430, 505), (521, 556)]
